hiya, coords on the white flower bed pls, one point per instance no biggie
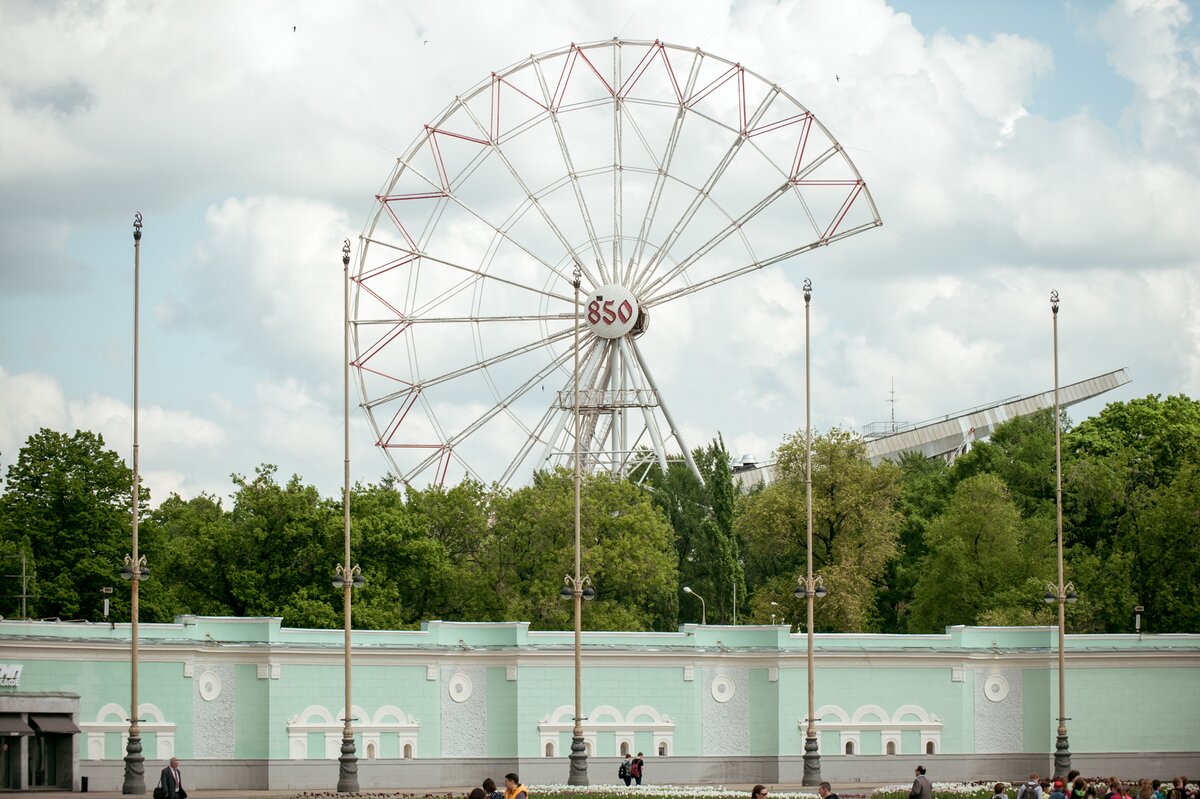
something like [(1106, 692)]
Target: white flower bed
[(940, 788), (680, 791)]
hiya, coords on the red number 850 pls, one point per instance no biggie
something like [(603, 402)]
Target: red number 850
[(605, 311)]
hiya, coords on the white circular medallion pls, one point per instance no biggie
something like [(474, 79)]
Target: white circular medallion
[(611, 311), (459, 687), (722, 688), (995, 688), (210, 686)]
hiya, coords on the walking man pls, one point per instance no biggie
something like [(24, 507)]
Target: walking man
[(171, 783)]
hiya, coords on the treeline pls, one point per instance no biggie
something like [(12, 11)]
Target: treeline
[(908, 547)]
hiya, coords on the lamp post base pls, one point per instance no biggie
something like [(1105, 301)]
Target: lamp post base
[(1062, 756), (578, 774), (812, 762), (347, 768), (135, 767)]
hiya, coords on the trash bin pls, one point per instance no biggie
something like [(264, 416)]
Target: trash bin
[(83, 784)]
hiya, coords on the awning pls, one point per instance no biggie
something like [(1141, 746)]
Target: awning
[(53, 722), (12, 724)]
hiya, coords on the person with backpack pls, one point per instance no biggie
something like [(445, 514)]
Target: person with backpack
[(1031, 789), (623, 771), (637, 768)]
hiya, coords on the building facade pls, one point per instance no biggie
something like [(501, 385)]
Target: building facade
[(247, 703)]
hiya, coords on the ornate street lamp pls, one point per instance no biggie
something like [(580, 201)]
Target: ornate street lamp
[(346, 576), (703, 604), (809, 586), (577, 588), (135, 569), (135, 565), (1062, 593)]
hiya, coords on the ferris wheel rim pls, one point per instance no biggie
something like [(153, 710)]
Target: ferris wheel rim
[(659, 289)]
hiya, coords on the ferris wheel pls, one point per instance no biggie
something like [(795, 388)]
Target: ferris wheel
[(597, 182)]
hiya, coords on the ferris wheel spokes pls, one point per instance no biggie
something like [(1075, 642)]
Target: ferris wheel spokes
[(495, 203)]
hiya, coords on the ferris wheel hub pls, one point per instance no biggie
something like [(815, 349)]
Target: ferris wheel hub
[(611, 311)]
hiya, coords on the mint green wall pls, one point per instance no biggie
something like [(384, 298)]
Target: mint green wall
[(792, 693), (253, 728), (98, 682), (764, 716), (1134, 709), (163, 685), (625, 670), (1039, 704), (967, 738), (889, 688), (501, 713)]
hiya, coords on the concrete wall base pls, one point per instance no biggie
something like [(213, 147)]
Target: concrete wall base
[(733, 771)]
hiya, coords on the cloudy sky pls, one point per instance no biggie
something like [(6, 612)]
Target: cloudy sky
[(1011, 149)]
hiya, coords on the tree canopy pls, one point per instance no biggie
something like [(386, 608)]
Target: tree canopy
[(907, 547)]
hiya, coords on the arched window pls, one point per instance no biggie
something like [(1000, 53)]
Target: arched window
[(662, 748), (624, 748), (587, 745), (891, 747), (849, 747), (549, 748), (407, 751), (370, 751), (929, 748)]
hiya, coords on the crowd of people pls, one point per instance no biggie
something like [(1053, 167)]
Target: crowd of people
[(513, 789), (1073, 786), (1076, 787)]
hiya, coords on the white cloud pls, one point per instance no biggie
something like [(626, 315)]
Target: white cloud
[(167, 438), (268, 276), (260, 147), (1149, 47)]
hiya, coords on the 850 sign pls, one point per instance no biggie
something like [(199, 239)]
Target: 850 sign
[(612, 311)]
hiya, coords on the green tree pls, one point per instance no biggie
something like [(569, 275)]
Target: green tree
[(855, 529), (198, 538), (1130, 499), (983, 562), (1021, 453), (925, 488), (701, 514), (627, 551), (286, 542), (68, 501)]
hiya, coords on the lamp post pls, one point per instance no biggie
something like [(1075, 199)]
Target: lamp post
[(577, 588), (347, 577), (1061, 593), (810, 586), (135, 565), (703, 605)]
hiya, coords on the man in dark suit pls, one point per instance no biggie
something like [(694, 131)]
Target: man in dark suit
[(171, 782)]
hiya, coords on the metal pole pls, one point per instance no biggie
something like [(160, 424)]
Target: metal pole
[(578, 774), (348, 761), (812, 755), (135, 769), (1062, 751)]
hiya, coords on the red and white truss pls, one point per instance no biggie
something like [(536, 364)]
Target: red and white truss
[(655, 171)]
